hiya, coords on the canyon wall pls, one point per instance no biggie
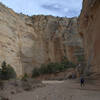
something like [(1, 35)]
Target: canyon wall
[(89, 29), (29, 41)]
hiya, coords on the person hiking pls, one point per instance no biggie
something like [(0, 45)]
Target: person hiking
[(82, 82)]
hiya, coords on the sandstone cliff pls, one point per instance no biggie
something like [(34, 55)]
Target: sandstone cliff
[(27, 42), (89, 29)]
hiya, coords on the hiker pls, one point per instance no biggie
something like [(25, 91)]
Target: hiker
[(82, 81)]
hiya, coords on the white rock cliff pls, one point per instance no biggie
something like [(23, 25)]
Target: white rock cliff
[(27, 42)]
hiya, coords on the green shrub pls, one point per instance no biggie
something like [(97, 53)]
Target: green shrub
[(0, 74), (7, 72), (53, 68), (24, 78), (35, 72), (43, 69), (80, 58), (11, 72)]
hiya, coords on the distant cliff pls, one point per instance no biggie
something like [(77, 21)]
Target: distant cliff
[(27, 42), (89, 29)]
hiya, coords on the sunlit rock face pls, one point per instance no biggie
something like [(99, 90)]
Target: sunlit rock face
[(89, 28), (27, 42)]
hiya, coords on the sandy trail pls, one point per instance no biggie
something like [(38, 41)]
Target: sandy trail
[(64, 90), (52, 82)]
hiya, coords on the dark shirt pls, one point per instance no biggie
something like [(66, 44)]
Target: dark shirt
[(82, 80)]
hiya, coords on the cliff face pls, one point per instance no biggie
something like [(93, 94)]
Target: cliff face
[(27, 42), (89, 28)]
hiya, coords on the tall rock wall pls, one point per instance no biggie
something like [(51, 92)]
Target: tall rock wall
[(89, 29), (27, 42)]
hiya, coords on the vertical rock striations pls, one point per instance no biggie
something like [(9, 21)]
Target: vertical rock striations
[(27, 42), (89, 29)]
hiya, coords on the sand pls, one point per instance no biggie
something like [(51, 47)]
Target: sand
[(64, 90)]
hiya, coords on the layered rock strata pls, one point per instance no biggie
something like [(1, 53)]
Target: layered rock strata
[(27, 42)]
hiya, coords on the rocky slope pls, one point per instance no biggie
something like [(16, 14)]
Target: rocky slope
[(89, 28), (27, 42)]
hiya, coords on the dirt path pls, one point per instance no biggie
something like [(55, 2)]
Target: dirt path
[(67, 90)]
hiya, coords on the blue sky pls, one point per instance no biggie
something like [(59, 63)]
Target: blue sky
[(62, 8)]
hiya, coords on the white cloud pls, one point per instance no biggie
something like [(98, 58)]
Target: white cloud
[(68, 8)]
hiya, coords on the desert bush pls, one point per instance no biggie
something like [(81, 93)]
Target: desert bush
[(11, 72), (52, 68), (80, 58), (24, 78), (7, 72), (35, 72)]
